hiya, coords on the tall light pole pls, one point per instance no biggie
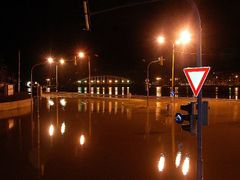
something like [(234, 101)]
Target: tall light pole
[(184, 38), (199, 98), (61, 61), (49, 60), (31, 76), (81, 55), (147, 80)]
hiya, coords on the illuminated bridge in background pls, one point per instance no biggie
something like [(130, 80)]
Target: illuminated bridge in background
[(105, 85)]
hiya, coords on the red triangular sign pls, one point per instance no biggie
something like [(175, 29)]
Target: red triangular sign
[(196, 77)]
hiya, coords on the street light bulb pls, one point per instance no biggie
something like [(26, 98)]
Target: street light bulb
[(62, 61), (160, 39), (81, 54), (50, 60), (177, 42), (185, 37)]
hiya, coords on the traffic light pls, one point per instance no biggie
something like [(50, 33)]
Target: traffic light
[(190, 117), (161, 59)]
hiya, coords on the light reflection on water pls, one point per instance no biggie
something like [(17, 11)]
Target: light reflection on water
[(161, 163), (53, 132), (216, 92)]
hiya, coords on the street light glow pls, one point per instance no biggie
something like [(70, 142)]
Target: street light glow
[(50, 60), (185, 37), (160, 39), (62, 61), (81, 54)]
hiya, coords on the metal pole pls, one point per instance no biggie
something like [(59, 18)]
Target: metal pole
[(86, 15), (89, 75), (19, 71), (199, 98), (148, 67), (31, 76), (56, 77), (199, 122), (148, 82), (31, 79), (173, 69)]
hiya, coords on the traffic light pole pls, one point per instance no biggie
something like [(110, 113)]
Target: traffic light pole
[(199, 97), (147, 80)]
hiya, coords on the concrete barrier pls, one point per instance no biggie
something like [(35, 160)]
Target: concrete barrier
[(15, 104)]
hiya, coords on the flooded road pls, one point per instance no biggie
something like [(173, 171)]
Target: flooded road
[(80, 138)]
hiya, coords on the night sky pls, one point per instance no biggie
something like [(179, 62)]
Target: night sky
[(122, 41)]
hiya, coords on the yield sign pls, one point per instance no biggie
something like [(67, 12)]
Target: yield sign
[(196, 77)]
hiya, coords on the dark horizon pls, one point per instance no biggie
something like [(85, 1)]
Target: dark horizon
[(124, 39)]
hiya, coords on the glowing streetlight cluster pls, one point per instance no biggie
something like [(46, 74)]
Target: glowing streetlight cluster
[(50, 60), (184, 38)]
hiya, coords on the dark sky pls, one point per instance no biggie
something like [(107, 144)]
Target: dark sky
[(123, 39)]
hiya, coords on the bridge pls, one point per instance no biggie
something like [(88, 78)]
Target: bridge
[(105, 84)]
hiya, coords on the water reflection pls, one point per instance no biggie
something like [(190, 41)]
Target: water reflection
[(10, 123), (178, 159), (185, 166), (83, 116), (63, 128), (50, 102), (63, 102), (161, 163), (51, 130), (82, 140), (236, 93)]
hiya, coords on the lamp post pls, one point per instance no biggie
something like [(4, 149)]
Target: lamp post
[(61, 61), (81, 55), (147, 80), (31, 76), (183, 39)]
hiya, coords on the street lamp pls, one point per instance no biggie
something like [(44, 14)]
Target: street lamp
[(184, 38), (147, 80), (49, 60), (61, 62), (82, 55)]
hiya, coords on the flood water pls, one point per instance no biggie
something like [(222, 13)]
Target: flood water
[(79, 138)]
